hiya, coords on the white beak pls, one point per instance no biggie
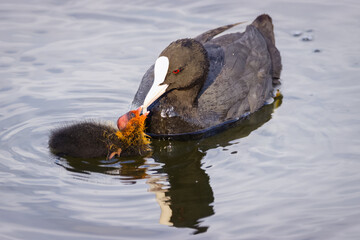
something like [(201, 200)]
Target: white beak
[(156, 90)]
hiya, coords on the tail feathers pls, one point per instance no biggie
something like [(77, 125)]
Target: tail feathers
[(265, 26)]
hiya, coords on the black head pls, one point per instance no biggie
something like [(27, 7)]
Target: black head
[(188, 64), (179, 73)]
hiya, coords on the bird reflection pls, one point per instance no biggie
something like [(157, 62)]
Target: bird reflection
[(174, 171), (128, 170), (189, 196)]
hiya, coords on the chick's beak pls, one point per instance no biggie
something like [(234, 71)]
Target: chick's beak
[(138, 111), (124, 119)]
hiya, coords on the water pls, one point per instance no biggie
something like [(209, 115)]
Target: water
[(288, 173)]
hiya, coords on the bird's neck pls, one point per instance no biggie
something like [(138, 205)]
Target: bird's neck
[(184, 98)]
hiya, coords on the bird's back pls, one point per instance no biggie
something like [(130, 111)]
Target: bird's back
[(240, 77)]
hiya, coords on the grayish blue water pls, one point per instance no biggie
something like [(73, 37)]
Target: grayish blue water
[(288, 173)]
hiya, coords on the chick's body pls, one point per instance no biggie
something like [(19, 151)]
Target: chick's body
[(95, 140)]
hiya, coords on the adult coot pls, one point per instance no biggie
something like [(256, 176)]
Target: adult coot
[(201, 83)]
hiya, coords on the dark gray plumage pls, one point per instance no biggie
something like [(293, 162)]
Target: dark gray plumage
[(221, 79)]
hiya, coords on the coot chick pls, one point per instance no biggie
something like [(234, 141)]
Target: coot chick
[(198, 84), (94, 140)]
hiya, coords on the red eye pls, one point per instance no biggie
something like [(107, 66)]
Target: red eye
[(177, 70)]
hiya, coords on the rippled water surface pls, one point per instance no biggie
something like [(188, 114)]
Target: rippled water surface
[(285, 173)]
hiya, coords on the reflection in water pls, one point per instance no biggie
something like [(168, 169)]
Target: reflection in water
[(181, 186), (189, 197), (128, 170)]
